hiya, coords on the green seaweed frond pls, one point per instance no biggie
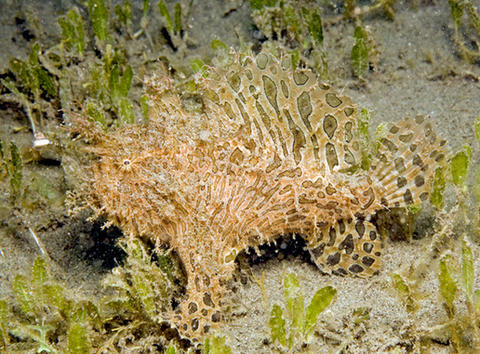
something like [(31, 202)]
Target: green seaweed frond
[(314, 25), (359, 55), (33, 86), (142, 286), (405, 292), (100, 19), (459, 166), (78, 341), (466, 34), (46, 318), (16, 167), (277, 325), (216, 345), (457, 280), (109, 87), (217, 44), (198, 66), (124, 13), (31, 77), (172, 21), (47, 314), (294, 321), (73, 32), (439, 184), (448, 287), (162, 7)]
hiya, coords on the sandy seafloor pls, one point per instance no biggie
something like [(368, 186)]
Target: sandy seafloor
[(419, 72)]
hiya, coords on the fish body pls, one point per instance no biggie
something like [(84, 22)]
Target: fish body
[(275, 152)]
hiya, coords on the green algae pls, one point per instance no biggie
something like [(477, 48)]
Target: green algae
[(16, 167), (162, 7), (137, 291), (405, 292), (448, 287), (466, 24), (457, 281), (73, 31), (459, 166), (99, 17), (439, 185), (293, 323), (47, 314), (216, 345), (359, 55)]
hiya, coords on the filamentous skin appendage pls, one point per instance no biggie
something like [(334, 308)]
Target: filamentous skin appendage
[(274, 152)]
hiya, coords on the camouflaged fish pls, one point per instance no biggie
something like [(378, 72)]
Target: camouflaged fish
[(274, 152)]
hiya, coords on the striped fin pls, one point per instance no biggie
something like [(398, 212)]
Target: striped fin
[(291, 112), (405, 162)]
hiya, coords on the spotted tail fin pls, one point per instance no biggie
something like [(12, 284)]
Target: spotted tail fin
[(405, 162), (347, 247)]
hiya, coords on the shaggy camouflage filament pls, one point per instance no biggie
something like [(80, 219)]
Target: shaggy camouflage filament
[(268, 157)]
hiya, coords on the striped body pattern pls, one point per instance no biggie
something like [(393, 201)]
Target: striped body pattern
[(274, 152)]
